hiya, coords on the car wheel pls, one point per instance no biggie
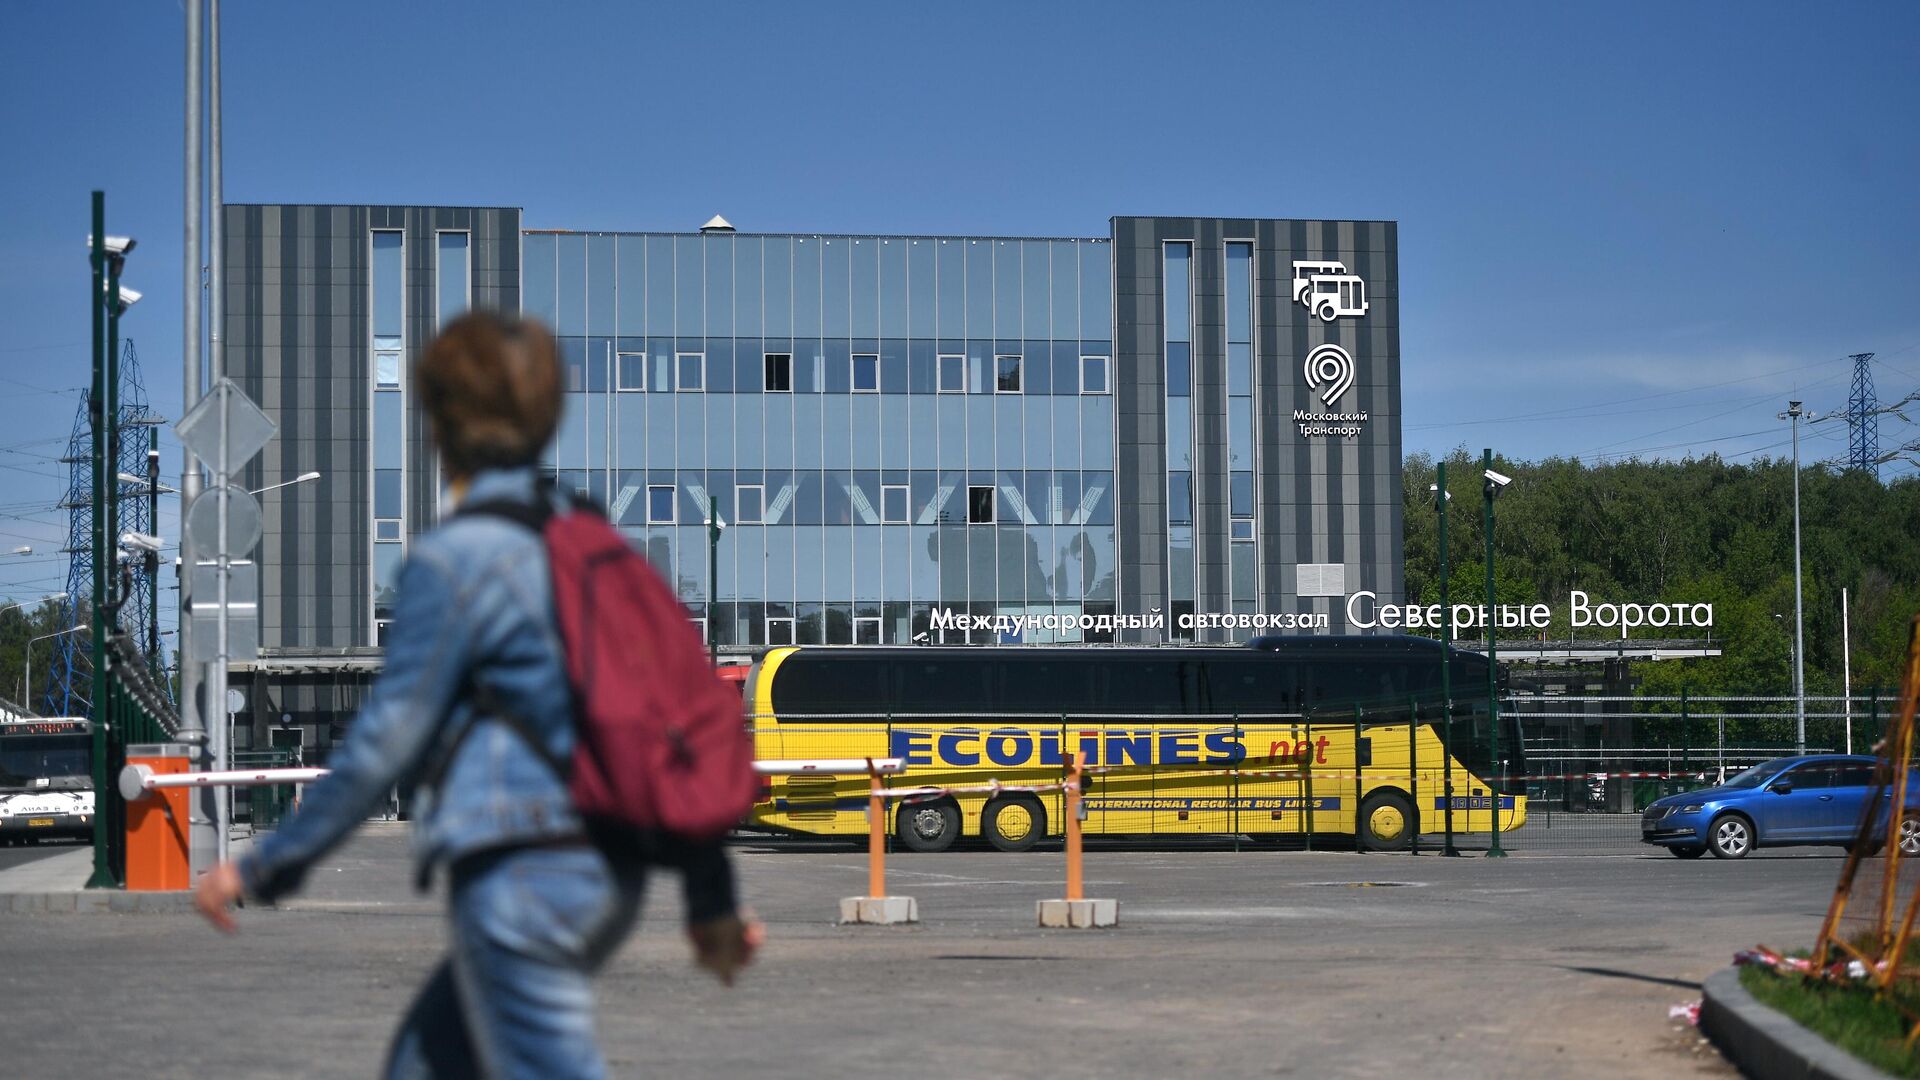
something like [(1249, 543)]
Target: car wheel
[(1732, 837), (1014, 824), (1909, 837), (1688, 852), (1387, 822), (1328, 313), (932, 826)]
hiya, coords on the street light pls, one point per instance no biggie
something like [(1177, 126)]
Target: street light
[(27, 676), (1793, 414), (1494, 482), (1441, 496), (147, 486), (23, 549), (714, 526), (301, 479), (42, 600)]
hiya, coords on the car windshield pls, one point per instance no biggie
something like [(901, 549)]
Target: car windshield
[(1759, 774)]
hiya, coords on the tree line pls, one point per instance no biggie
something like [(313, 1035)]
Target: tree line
[(1702, 530)]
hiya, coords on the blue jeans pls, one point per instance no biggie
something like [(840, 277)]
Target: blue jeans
[(514, 997)]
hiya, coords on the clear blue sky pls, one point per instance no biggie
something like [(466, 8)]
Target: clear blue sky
[(1623, 226)]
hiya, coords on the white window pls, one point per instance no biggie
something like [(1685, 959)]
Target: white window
[(1006, 374), (980, 504), (953, 373), (866, 373), (780, 631), (692, 368), (893, 504), (630, 371), (1242, 530), (750, 503), (866, 630), (1093, 375), (386, 368), (386, 528), (660, 499), (779, 373)]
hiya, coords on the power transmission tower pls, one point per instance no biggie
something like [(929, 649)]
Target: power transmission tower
[(1863, 419)]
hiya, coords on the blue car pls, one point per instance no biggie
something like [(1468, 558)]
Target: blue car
[(1815, 799)]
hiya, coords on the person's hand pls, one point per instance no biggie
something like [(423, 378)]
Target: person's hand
[(726, 944), (220, 888)]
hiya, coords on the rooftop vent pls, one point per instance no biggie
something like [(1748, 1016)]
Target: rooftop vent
[(717, 224)]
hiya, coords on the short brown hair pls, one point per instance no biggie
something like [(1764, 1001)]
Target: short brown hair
[(490, 385)]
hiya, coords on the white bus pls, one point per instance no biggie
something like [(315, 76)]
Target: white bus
[(46, 778)]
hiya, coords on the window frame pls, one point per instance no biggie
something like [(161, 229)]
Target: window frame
[(673, 502), (1106, 373), (1233, 531), (906, 494), (939, 372), (766, 359), (879, 629), (619, 382), (739, 516), (399, 530), (993, 504), (679, 370), (1019, 370), (788, 621), (853, 373)]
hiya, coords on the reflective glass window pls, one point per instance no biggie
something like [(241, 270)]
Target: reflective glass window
[(386, 493), (660, 499), (1242, 530), (1240, 495), (779, 373), (1179, 365), (866, 373), (749, 504), (1180, 498), (388, 432), (386, 577), (1239, 292), (386, 369), (953, 373), (633, 371), (386, 529), (1006, 374), (1093, 375), (389, 283), (537, 276), (893, 504), (693, 371), (1178, 284)]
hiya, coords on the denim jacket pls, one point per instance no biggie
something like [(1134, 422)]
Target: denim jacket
[(474, 610)]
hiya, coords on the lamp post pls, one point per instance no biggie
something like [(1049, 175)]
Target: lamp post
[(26, 677), (301, 479), (24, 603), (1440, 497), (1793, 414), (714, 525), (1492, 483)]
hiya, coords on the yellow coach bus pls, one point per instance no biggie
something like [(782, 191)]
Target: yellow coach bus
[(1290, 736)]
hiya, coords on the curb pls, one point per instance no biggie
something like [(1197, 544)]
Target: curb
[(96, 902), (1765, 1044)]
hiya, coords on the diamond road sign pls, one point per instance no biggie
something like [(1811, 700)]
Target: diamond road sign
[(248, 429)]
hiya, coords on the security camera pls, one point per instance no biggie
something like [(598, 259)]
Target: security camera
[(1498, 480), (143, 541), (120, 245), (128, 297), (1435, 488)]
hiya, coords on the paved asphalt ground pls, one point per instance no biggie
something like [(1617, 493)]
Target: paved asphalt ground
[(1261, 963)]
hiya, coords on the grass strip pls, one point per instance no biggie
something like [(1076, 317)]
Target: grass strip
[(1850, 1018)]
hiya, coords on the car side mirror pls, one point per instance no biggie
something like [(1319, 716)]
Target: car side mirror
[(1781, 787)]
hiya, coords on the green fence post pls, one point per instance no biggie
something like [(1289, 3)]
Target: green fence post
[(1358, 847), (1686, 740), (1446, 781), (1873, 713), (1307, 765), (1233, 790), (1413, 770)]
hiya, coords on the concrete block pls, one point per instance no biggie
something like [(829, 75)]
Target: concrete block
[(1077, 914), (91, 901), (60, 903), (879, 910)]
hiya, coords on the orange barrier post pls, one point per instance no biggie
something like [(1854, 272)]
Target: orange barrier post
[(1074, 775), (157, 846), (877, 907), (1074, 911)]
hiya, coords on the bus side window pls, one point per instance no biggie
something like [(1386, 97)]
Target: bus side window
[(959, 686), (1149, 687)]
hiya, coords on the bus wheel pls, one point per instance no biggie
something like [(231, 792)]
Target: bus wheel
[(1014, 824), (1328, 313), (1387, 822), (929, 826)]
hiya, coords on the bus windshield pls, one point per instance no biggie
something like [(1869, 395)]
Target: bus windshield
[(42, 761)]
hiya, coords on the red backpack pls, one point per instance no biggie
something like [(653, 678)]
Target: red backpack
[(660, 741)]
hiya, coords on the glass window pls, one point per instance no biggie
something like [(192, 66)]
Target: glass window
[(1240, 495), (893, 504), (866, 373), (453, 276), (386, 493), (386, 369), (866, 630), (633, 371), (1006, 374), (780, 631), (1179, 357), (693, 371), (660, 498), (1179, 318), (1243, 530), (953, 373), (1093, 375), (388, 431), (749, 504), (980, 504), (389, 283), (386, 529), (386, 577), (779, 373), (1180, 498)]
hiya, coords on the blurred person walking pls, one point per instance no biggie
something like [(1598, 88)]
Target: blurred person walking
[(475, 711)]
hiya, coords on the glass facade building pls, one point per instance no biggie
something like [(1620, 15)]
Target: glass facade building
[(1186, 428)]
